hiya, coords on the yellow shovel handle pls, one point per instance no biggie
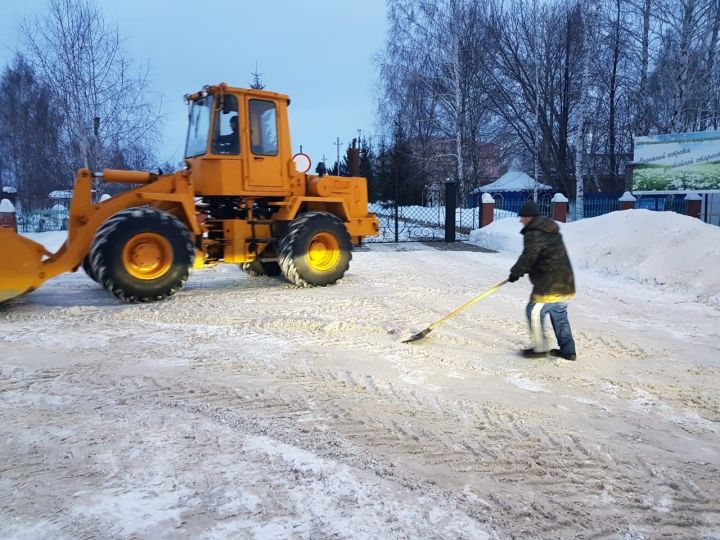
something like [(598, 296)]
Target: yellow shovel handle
[(468, 304)]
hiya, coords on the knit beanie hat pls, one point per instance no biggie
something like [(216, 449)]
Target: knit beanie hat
[(529, 209)]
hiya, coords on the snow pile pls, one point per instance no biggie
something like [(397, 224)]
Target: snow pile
[(662, 248), (501, 235)]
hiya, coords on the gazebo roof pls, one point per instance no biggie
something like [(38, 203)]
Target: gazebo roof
[(513, 181)]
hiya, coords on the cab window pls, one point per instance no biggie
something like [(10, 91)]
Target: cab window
[(198, 127), (263, 128), (226, 133)]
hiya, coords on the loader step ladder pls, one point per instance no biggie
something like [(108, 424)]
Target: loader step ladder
[(254, 240)]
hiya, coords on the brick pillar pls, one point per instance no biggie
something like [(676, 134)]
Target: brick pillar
[(7, 215), (487, 210), (694, 205), (559, 207), (627, 201)]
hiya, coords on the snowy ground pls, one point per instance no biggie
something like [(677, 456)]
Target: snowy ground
[(244, 408)]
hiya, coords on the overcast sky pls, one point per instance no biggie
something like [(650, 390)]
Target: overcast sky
[(319, 52)]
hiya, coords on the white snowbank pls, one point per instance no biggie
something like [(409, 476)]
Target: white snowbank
[(501, 235), (51, 240), (662, 248)]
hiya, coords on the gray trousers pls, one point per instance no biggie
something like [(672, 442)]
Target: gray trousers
[(536, 313)]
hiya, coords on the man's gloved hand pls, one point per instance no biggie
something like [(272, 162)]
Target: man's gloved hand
[(513, 278)]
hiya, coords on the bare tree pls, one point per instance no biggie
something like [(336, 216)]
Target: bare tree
[(512, 86), (568, 81), (429, 74), (108, 116), (29, 135)]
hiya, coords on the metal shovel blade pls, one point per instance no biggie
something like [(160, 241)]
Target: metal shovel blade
[(417, 337)]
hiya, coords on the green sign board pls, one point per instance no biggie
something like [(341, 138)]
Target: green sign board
[(677, 161)]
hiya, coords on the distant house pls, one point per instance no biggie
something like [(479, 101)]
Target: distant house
[(513, 181), (61, 197), (510, 186)]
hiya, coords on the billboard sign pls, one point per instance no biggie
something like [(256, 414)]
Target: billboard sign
[(677, 161)]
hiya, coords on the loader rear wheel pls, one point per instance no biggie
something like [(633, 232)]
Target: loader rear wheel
[(316, 250), (143, 255), (258, 268)]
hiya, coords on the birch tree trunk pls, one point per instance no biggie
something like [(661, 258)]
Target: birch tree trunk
[(459, 114), (711, 95), (583, 112), (644, 66), (613, 92), (677, 120)]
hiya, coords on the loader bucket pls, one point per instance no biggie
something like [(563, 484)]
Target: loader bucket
[(20, 264)]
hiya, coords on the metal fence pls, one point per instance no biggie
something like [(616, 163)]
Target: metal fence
[(596, 204), (42, 220), (425, 222), (507, 204), (420, 223)]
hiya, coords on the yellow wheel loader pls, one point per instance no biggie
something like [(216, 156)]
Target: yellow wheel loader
[(240, 199)]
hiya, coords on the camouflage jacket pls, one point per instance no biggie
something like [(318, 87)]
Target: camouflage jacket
[(545, 259)]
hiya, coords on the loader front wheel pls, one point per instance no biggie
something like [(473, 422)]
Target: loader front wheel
[(316, 250), (143, 255), (87, 266)]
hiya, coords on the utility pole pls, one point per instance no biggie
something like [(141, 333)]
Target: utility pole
[(337, 143)]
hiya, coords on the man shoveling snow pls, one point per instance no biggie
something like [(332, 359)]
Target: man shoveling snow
[(545, 260)]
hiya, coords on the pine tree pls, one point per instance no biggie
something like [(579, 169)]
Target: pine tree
[(257, 83)]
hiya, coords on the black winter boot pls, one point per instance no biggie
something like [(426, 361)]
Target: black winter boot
[(560, 354), (532, 353)]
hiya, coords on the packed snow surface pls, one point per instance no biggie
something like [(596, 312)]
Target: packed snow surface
[(246, 408)]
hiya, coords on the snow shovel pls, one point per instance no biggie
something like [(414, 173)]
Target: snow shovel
[(433, 326)]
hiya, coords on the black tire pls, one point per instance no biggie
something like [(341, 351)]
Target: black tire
[(142, 255), (258, 268), (87, 266), (305, 233)]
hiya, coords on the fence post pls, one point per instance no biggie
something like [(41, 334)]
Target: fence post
[(487, 210), (627, 201), (8, 217), (450, 206), (694, 204), (559, 207)]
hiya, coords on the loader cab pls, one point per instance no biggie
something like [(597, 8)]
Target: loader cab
[(238, 142)]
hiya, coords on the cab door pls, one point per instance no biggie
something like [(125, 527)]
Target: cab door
[(265, 163)]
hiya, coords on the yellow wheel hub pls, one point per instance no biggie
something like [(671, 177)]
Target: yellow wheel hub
[(147, 256), (324, 252)]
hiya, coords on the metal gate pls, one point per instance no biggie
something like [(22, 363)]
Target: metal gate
[(438, 218)]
